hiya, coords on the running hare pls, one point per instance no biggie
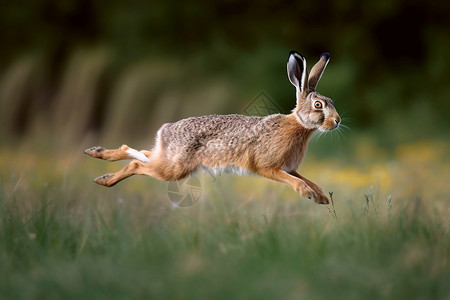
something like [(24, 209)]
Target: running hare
[(272, 146)]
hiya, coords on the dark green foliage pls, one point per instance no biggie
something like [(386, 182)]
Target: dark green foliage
[(389, 65)]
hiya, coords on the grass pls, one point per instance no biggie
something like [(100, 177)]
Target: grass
[(63, 237)]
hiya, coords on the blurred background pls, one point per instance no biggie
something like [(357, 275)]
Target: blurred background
[(113, 71), (75, 74), (78, 73)]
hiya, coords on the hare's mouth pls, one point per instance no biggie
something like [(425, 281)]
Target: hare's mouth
[(330, 124), (324, 129)]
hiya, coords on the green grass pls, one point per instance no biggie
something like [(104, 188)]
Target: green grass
[(63, 237)]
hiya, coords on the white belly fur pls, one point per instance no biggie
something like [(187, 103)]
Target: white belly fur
[(227, 170)]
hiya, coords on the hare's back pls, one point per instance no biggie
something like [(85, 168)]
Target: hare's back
[(208, 127), (200, 134)]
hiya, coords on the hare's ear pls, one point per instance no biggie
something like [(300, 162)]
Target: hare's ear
[(317, 71), (296, 69)]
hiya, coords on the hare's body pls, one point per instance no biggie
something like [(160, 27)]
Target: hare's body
[(232, 142), (272, 146)]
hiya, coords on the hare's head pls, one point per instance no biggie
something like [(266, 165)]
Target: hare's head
[(313, 110)]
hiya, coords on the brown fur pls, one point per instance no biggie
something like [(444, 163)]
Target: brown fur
[(271, 146)]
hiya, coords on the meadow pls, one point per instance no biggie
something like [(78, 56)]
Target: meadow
[(386, 236)]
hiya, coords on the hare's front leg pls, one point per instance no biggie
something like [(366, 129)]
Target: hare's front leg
[(322, 198), (295, 182), (123, 152)]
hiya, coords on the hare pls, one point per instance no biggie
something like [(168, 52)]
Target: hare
[(272, 146)]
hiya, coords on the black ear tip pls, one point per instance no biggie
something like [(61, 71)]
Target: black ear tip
[(296, 54), (326, 55)]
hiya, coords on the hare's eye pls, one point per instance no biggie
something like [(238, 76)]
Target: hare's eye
[(318, 104)]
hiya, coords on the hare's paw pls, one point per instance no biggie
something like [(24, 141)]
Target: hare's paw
[(95, 152), (314, 194), (308, 192), (104, 180), (319, 195), (322, 199)]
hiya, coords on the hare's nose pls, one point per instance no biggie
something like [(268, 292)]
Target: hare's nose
[(337, 122)]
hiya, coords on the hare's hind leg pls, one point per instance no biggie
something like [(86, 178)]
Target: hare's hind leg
[(123, 152), (133, 168), (156, 168), (321, 197)]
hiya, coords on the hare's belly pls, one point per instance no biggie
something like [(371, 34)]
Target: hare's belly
[(228, 170)]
